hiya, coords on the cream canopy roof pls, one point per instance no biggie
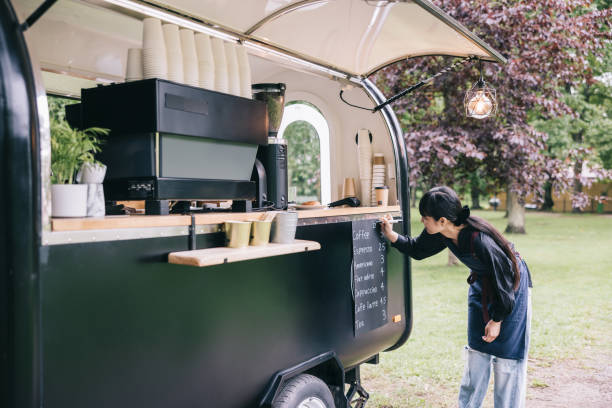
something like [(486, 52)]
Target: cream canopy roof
[(350, 38), (356, 37)]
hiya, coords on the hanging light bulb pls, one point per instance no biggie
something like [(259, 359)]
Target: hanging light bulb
[(480, 101)]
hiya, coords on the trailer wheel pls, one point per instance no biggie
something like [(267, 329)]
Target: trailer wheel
[(304, 391)]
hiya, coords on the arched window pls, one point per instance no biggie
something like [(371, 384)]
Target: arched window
[(307, 135)]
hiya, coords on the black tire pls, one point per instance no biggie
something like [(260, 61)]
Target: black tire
[(300, 389)]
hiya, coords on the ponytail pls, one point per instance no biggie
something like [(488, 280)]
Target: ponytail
[(482, 225)]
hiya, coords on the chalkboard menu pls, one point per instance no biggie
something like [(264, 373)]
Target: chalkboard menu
[(369, 276)]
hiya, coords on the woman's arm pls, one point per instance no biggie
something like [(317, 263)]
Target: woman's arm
[(502, 275), (423, 246)]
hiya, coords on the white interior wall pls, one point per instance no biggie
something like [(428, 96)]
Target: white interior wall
[(343, 120)]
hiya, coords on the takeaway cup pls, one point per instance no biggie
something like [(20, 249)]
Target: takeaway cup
[(284, 227), (221, 78), (191, 74), (233, 70), (348, 188), (245, 72), (237, 233), (366, 191), (382, 196), (260, 232), (206, 62), (174, 53), (134, 65), (152, 34)]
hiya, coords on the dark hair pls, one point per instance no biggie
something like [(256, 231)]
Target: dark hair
[(443, 202)]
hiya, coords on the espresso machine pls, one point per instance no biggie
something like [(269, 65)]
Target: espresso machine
[(174, 142), (273, 191)]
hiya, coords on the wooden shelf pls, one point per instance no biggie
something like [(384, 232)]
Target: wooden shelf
[(144, 221), (221, 255)]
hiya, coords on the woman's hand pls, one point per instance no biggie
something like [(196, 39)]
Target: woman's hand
[(491, 331), (387, 228)]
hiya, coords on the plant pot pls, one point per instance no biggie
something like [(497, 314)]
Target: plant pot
[(69, 200), (91, 173)]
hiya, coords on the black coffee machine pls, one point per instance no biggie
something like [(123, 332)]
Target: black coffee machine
[(271, 173)]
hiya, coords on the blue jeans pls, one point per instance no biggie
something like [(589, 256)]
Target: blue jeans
[(510, 376)]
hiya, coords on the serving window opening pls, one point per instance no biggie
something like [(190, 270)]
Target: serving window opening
[(307, 133)]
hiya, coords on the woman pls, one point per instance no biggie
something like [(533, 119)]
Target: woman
[(499, 310)]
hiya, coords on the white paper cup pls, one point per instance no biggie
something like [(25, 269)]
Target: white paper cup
[(206, 62), (174, 53), (284, 227), (152, 34), (366, 191), (190, 57), (245, 72), (154, 63), (133, 71), (221, 78), (233, 72)]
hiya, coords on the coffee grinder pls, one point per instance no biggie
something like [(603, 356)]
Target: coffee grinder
[(273, 157)]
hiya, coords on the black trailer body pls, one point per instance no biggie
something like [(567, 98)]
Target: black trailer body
[(122, 327)]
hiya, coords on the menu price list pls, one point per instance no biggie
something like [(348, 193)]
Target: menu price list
[(369, 276)]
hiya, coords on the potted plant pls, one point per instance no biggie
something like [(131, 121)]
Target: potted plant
[(70, 149)]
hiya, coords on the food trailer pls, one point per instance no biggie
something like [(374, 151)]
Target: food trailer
[(95, 314)]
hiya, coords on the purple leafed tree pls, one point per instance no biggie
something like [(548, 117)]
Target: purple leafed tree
[(546, 43)]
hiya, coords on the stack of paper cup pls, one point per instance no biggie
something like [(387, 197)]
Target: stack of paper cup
[(154, 62), (173, 52), (206, 63), (378, 173), (245, 72), (364, 148), (134, 65), (190, 57), (233, 72), (218, 50)]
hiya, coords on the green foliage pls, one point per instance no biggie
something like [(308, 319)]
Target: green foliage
[(590, 128), (57, 106), (304, 158), (70, 148)]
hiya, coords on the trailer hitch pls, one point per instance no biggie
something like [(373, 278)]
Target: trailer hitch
[(361, 400)]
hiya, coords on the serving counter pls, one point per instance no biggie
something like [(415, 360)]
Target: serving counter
[(306, 217)]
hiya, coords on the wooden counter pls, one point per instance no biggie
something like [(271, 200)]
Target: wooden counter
[(147, 221)]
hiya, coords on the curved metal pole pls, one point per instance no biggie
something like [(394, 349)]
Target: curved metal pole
[(403, 193)]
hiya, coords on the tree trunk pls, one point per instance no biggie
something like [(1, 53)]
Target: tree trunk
[(475, 193), (516, 214), (452, 259), (413, 196), (548, 200), (577, 183)]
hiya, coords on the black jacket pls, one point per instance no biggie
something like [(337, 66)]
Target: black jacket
[(497, 266)]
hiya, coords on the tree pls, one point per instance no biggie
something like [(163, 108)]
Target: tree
[(304, 159), (547, 44)]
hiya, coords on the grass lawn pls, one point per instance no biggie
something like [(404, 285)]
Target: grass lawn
[(570, 258)]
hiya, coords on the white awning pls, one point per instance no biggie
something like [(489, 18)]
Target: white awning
[(348, 37), (352, 36)]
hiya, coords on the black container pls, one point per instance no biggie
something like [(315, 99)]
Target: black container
[(170, 141), (274, 159), (155, 105)]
